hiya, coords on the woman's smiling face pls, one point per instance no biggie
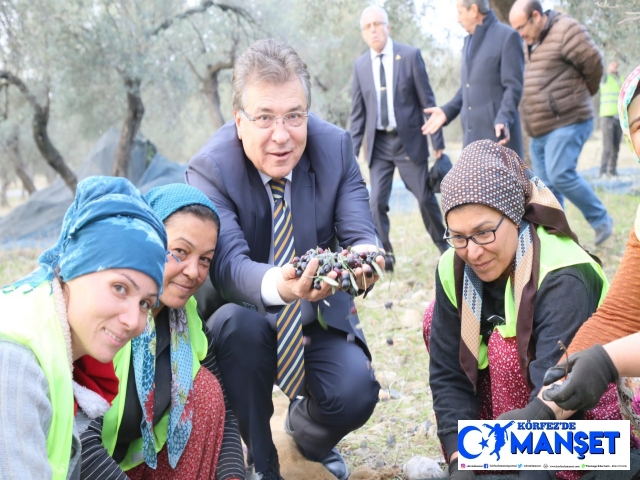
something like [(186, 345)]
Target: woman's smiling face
[(106, 309), (192, 240), (488, 261)]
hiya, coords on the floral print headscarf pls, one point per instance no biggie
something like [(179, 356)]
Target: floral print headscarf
[(624, 100)]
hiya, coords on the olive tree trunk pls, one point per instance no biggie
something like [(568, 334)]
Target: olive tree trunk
[(135, 112), (39, 125), (13, 152), (210, 88), (501, 8)]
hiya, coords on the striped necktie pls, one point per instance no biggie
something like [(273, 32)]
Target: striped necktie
[(288, 323)]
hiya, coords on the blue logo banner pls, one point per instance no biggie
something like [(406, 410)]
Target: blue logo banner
[(537, 445)]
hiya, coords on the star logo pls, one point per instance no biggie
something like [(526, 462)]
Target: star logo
[(484, 443)]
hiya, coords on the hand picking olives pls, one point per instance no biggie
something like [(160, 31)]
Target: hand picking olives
[(344, 262)]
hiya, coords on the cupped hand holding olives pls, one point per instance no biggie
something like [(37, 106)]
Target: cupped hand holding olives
[(347, 269)]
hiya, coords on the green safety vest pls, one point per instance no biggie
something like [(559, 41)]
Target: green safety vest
[(555, 252), (36, 325), (609, 92), (121, 362)]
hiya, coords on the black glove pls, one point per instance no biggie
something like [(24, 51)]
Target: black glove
[(591, 372), (535, 410), (456, 474)]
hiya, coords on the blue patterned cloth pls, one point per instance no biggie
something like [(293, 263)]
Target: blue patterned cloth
[(166, 200), (109, 225)]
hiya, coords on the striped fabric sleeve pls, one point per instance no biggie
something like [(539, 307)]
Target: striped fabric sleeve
[(231, 461), (25, 414), (97, 464)]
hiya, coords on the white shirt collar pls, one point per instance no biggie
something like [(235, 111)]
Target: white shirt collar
[(266, 178), (387, 50)]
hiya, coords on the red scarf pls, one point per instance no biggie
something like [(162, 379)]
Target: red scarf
[(96, 376)]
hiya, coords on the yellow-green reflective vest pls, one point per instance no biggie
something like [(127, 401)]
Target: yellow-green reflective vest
[(35, 324), (121, 362), (555, 252), (609, 92)]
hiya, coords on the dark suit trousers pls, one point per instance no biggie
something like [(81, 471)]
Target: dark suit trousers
[(388, 154), (341, 390)]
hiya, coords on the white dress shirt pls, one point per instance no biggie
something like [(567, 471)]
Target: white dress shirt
[(387, 62), (269, 287)]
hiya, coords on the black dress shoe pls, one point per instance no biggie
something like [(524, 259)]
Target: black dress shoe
[(336, 464), (332, 462), (272, 471)]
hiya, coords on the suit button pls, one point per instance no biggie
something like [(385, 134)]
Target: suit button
[(469, 108), (468, 85)]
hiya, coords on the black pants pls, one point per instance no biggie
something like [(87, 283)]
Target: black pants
[(341, 390), (611, 136), (388, 154)]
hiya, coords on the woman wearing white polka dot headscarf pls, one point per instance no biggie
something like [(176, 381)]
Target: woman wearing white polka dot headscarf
[(514, 284)]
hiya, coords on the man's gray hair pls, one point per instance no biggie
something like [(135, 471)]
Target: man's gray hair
[(268, 61), (483, 5), (374, 8)]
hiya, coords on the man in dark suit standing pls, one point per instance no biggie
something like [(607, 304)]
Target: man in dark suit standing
[(490, 81), (284, 182), (390, 90)]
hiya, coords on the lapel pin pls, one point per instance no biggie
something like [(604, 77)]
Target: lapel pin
[(398, 57)]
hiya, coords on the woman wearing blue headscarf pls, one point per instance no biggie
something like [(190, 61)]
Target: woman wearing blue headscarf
[(63, 324), (168, 420)]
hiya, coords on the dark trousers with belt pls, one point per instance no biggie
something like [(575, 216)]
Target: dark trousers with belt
[(388, 154), (340, 394)]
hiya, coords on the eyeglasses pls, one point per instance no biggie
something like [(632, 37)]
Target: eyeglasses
[(373, 24), (519, 29), (481, 238), (266, 120)]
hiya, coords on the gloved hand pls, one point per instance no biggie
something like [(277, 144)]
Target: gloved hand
[(456, 474), (590, 373), (535, 410)]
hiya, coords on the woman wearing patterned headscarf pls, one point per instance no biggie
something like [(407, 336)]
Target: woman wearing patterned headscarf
[(62, 325), (168, 420), (616, 323), (514, 283)]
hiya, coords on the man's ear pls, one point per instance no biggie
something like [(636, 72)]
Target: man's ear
[(237, 116), (535, 16)]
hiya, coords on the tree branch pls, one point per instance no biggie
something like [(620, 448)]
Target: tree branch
[(17, 82), (193, 68), (204, 6)]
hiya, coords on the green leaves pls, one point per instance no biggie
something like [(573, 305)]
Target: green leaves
[(321, 321)]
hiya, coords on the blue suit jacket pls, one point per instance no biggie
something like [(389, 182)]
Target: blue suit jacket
[(329, 207), (411, 95)]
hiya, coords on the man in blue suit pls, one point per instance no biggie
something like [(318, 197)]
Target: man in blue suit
[(389, 92), (272, 167)]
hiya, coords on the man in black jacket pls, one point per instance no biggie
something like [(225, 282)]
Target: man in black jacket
[(490, 80)]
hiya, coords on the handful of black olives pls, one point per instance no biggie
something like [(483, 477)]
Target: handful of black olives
[(344, 262)]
